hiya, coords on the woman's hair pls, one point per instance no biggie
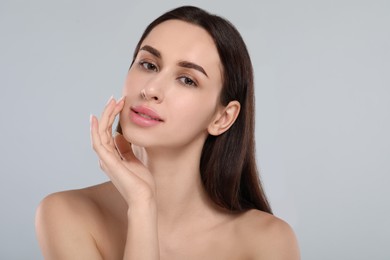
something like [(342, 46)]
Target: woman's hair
[(228, 165)]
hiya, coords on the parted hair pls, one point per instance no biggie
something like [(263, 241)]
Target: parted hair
[(228, 164)]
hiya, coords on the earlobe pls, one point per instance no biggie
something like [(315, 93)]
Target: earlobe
[(224, 118)]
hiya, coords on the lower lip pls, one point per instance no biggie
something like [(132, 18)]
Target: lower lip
[(142, 121)]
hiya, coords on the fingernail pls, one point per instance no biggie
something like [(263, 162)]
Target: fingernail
[(90, 122), (111, 98), (119, 100)]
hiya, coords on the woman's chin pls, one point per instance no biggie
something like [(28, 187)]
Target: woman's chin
[(134, 140)]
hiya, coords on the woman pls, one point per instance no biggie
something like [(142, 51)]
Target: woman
[(184, 181)]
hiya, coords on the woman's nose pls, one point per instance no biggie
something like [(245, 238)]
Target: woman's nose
[(151, 94), (153, 91)]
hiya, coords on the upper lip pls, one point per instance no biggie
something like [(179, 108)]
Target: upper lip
[(146, 111)]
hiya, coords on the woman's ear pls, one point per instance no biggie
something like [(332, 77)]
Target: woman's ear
[(224, 118)]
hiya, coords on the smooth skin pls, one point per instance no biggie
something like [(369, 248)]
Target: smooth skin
[(154, 206)]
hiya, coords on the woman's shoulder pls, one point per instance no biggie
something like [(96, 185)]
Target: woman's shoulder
[(267, 236), (74, 215), (81, 205), (73, 202)]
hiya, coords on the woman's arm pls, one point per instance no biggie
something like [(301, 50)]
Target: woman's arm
[(142, 239)]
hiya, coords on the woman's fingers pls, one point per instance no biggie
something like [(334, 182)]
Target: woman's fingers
[(117, 109), (109, 159), (96, 139), (128, 174), (104, 120), (130, 159), (111, 110), (95, 136), (126, 180), (124, 148), (101, 132), (106, 114)]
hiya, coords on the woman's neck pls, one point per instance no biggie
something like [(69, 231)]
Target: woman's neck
[(179, 188)]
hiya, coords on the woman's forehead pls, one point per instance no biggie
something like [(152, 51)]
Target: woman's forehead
[(183, 40)]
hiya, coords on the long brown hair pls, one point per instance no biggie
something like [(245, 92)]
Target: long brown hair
[(228, 164)]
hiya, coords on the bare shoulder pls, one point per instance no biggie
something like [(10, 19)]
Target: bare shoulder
[(71, 218), (267, 237)]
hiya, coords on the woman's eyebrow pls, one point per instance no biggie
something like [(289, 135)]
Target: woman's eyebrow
[(191, 65), (184, 64), (152, 50)]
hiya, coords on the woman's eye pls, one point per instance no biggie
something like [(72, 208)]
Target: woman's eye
[(148, 66), (187, 81)]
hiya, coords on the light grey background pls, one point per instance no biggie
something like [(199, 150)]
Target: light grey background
[(323, 110)]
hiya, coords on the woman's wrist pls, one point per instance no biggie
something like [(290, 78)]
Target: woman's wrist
[(142, 238), (138, 209)]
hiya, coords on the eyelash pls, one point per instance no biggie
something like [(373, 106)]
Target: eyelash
[(146, 65), (184, 80)]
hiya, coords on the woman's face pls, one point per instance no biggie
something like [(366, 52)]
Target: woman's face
[(172, 89)]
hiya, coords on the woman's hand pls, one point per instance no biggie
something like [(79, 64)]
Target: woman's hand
[(130, 176), (132, 179)]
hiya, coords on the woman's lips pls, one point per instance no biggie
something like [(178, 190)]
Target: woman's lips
[(144, 116)]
